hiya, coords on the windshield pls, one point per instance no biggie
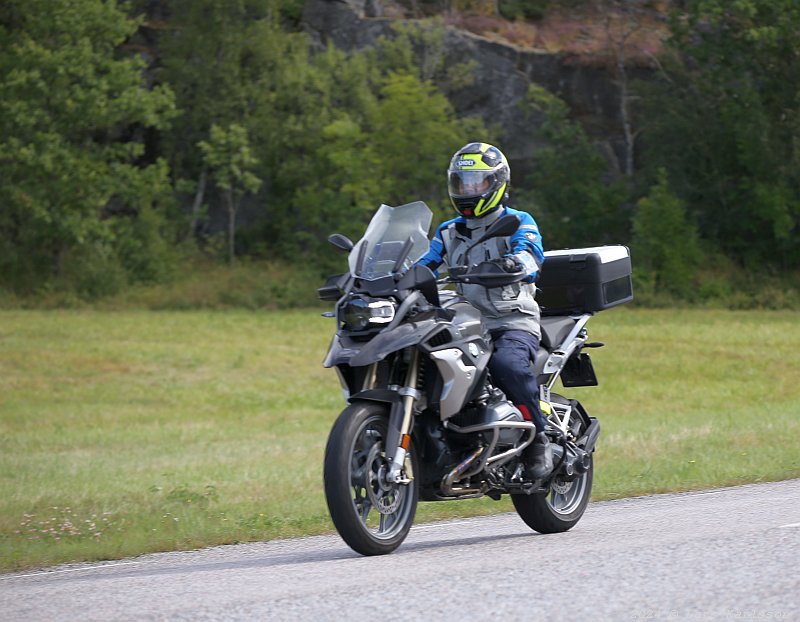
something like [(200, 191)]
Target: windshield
[(394, 234)]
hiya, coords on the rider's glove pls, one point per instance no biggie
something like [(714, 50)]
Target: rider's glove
[(509, 264)]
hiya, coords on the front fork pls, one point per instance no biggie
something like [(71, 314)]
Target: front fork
[(408, 395)]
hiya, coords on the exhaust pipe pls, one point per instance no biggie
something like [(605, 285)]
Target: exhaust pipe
[(453, 476)]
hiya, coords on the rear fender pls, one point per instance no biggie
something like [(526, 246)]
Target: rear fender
[(589, 439), (591, 428)]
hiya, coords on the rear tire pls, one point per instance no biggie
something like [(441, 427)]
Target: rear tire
[(372, 516), (558, 510)]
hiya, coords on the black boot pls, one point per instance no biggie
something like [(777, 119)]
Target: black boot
[(538, 458)]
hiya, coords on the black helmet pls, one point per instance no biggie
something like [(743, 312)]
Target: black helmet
[(478, 179)]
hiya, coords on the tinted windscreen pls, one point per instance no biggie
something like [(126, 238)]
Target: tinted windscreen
[(394, 234)]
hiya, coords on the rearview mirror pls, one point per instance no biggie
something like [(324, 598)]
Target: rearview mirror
[(341, 242), (503, 226), (506, 225)]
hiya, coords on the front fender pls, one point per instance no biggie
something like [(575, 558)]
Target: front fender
[(345, 351), (384, 396)]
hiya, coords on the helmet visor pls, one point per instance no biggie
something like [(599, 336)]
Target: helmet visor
[(470, 183)]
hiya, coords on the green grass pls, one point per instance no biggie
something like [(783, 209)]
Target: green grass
[(128, 432)]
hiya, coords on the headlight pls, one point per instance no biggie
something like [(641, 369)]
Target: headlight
[(360, 313)]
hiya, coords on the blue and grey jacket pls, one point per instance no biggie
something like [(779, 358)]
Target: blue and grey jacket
[(504, 308)]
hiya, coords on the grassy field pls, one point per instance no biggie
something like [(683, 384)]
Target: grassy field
[(128, 432)]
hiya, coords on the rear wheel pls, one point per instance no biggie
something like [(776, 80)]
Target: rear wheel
[(373, 516), (563, 505), (559, 509)]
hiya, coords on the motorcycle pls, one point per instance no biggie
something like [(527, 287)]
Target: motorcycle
[(424, 420)]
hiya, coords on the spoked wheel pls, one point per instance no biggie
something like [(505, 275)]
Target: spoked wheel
[(373, 516)]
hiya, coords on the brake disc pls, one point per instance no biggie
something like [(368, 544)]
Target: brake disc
[(561, 488), (384, 496)]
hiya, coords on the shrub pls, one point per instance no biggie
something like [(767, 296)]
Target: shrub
[(665, 244)]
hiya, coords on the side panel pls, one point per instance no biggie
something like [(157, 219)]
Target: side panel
[(461, 369), (457, 377), (461, 351)]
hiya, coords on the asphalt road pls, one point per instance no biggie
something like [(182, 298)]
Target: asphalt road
[(729, 554)]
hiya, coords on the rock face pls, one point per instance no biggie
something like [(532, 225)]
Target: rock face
[(503, 75)]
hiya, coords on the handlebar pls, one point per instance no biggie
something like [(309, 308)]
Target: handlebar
[(487, 274)]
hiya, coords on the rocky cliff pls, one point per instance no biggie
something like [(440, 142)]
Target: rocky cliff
[(503, 74)]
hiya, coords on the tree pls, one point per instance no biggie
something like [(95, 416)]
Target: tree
[(230, 62), (393, 151), (72, 113), (622, 22), (228, 156), (569, 188), (360, 129), (419, 48), (334, 133), (725, 123), (665, 244), (415, 134)]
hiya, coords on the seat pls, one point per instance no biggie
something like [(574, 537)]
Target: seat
[(555, 330)]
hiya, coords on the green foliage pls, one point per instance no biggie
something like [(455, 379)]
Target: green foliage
[(574, 204), (331, 136), (234, 63), (71, 116), (416, 133), (419, 48), (335, 134), (394, 153), (725, 123), (101, 156), (230, 158), (524, 9), (144, 246), (227, 154), (365, 131), (665, 248), (323, 173), (225, 61), (93, 271)]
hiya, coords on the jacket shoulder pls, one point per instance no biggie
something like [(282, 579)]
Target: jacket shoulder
[(448, 223), (524, 217)]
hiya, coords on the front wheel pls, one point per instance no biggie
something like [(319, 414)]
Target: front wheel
[(559, 509), (372, 516)]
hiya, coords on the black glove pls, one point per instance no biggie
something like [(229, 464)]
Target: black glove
[(509, 264)]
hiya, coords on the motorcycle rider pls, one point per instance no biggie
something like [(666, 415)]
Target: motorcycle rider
[(477, 181)]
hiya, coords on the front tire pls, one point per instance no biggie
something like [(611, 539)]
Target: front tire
[(561, 508), (371, 515)]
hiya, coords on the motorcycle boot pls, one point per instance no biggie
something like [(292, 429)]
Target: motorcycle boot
[(538, 458)]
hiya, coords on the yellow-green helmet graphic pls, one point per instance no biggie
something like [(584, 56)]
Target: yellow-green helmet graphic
[(478, 179)]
